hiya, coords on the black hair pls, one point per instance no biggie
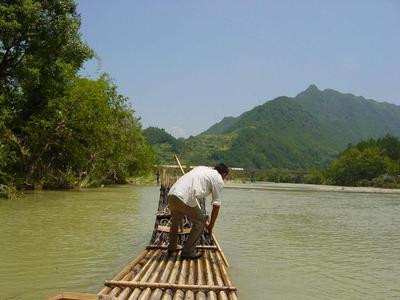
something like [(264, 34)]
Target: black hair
[(221, 168)]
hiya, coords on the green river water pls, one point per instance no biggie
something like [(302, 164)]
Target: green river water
[(281, 244)]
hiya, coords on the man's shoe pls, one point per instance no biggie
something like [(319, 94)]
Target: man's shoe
[(196, 255)]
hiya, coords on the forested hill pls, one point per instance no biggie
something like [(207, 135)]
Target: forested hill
[(302, 132), (164, 144)]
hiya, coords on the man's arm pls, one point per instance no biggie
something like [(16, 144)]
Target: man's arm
[(214, 215)]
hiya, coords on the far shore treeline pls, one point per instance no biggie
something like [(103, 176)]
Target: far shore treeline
[(373, 162), (57, 129)]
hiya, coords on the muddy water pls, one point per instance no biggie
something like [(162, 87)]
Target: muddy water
[(282, 244)]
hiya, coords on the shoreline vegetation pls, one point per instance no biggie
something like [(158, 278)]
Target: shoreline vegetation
[(371, 162), (247, 183)]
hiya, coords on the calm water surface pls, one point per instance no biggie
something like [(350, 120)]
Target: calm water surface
[(281, 244)]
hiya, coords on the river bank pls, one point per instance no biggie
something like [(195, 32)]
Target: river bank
[(309, 187), (149, 180)]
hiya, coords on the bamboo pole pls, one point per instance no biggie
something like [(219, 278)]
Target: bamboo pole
[(163, 215), (118, 292), (220, 250), (215, 263), (135, 268), (153, 278), (189, 294), (121, 274), (209, 278), (224, 274), (200, 247), (179, 164), (163, 178), (138, 268), (172, 278), (126, 291), (179, 294), (175, 271), (164, 274), (145, 273), (172, 286), (200, 278), (168, 268), (167, 229)]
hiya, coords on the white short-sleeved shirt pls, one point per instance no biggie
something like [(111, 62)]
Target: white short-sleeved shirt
[(199, 183)]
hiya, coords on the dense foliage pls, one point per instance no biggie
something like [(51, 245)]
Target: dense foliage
[(58, 130), (375, 162)]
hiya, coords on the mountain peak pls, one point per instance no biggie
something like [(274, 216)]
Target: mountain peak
[(312, 88)]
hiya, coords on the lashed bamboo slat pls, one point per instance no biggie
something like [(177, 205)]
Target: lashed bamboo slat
[(172, 286), (166, 247), (219, 248), (124, 271), (218, 278), (200, 278)]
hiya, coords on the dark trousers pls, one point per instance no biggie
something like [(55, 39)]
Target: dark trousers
[(178, 211)]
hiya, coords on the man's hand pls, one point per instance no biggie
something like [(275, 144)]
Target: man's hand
[(214, 215), (209, 227)]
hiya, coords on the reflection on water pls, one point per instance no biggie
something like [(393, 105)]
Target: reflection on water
[(280, 244)]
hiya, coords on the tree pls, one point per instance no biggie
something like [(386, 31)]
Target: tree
[(57, 128), (90, 132), (40, 43), (391, 146), (365, 161), (40, 54), (354, 165)]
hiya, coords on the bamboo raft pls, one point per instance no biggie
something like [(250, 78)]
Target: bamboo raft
[(156, 275)]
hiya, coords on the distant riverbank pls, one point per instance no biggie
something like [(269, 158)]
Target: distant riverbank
[(309, 187)]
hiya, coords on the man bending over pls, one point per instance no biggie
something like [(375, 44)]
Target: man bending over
[(182, 201)]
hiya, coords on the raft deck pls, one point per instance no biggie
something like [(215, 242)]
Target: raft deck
[(156, 275)]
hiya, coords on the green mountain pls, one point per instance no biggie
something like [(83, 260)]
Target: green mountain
[(164, 144), (302, 132)]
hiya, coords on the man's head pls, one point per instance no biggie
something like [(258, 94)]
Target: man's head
[(222, 169)]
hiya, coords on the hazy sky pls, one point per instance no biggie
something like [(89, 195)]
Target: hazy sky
[(187, 64)]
